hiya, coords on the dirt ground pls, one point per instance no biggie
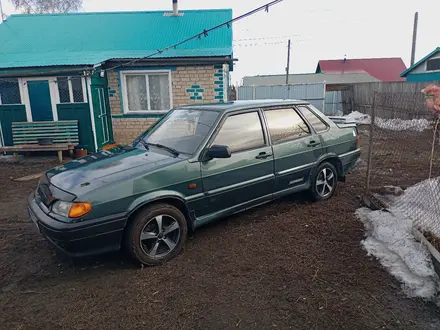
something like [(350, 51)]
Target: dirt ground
[(286, 265)]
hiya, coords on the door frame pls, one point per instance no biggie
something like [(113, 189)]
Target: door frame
[(27, 101), (55, 98), (102, 102), (53, 93), (92, 114)]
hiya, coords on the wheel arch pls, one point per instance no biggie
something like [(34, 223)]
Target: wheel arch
[(169, 198), (333, 159)]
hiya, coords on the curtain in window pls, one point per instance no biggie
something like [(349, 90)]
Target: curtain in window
[(159, 92), (137, 92)]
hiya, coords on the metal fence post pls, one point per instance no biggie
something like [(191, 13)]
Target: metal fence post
[(370, 147)]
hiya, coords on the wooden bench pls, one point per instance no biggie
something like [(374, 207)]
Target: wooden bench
[(25, 137)]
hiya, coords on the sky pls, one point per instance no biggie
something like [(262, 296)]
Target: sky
[(318, 30)]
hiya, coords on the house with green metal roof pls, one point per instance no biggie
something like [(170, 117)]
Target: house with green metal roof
[(425, 70), (113, 72)]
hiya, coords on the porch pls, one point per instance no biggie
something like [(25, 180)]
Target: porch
[(57, 98)]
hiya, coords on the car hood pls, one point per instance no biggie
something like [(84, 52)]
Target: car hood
[(98, 169)]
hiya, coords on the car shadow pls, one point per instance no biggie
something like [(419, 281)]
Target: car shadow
[(251, 215), (116, 261)]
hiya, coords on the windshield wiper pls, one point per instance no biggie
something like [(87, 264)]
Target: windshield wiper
[(161, 146), (145, 144)]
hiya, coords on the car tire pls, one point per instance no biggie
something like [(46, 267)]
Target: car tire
[(324, 182), (156, 234)]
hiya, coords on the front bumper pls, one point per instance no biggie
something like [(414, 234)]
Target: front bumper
[(79, 239)]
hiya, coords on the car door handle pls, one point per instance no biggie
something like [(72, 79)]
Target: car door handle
[(263, 155), (313, 144)]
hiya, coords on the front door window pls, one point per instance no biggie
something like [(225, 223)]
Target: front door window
[(241, 132)]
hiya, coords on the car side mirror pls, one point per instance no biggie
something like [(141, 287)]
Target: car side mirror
[(218, 151)]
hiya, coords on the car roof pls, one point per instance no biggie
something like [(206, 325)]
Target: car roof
[(242, 105)]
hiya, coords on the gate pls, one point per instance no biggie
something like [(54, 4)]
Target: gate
[(312, 93)]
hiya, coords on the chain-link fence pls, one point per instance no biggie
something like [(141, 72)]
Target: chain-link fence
[(404, 152)]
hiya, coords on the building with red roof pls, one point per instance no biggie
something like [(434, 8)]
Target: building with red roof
[(383, 69)]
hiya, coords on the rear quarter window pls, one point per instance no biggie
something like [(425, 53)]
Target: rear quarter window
[(316, 122)]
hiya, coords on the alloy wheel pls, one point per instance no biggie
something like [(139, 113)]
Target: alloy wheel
[(160, 236), (325, 182)]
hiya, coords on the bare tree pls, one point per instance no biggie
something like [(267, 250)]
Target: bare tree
[(47, 6)]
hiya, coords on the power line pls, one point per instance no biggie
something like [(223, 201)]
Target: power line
[(268, 38), (204, 33), (258, 44)]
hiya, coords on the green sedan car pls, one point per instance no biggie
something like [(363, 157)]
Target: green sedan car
[(197, 164)]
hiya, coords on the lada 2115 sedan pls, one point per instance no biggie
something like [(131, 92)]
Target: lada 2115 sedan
[(197, 164)]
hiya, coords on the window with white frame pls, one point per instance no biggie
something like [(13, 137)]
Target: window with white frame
[(71, 89), (146, 91)]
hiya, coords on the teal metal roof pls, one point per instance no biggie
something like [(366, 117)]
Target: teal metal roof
[(91, 38), (435, 51)]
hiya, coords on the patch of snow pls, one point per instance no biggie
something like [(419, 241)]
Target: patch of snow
[(397, 124), (418, 125), (389, 239), (359, 118)]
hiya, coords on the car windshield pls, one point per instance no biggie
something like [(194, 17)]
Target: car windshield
[(182, 130)]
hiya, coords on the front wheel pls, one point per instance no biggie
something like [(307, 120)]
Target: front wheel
[(156, 234), (324, 182)]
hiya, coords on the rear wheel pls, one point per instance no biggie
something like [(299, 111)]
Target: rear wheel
[(324, 182), (156, 234)]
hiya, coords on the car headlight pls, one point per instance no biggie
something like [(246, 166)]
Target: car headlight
[(71, 210)]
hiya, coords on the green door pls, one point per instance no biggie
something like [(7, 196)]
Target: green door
[(39, 98), (247, 177), (296, 149), (101, 109)]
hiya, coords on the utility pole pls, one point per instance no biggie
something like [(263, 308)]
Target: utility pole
[(414, 39), (288, 63)]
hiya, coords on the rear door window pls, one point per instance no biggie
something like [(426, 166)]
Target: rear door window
[(241, 132), (317, 124), (285, 125)]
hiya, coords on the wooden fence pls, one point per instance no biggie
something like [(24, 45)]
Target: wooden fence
[(359, 97)]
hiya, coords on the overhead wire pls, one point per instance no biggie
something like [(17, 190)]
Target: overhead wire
[(258, 44), (268, 38), (204, 33)]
